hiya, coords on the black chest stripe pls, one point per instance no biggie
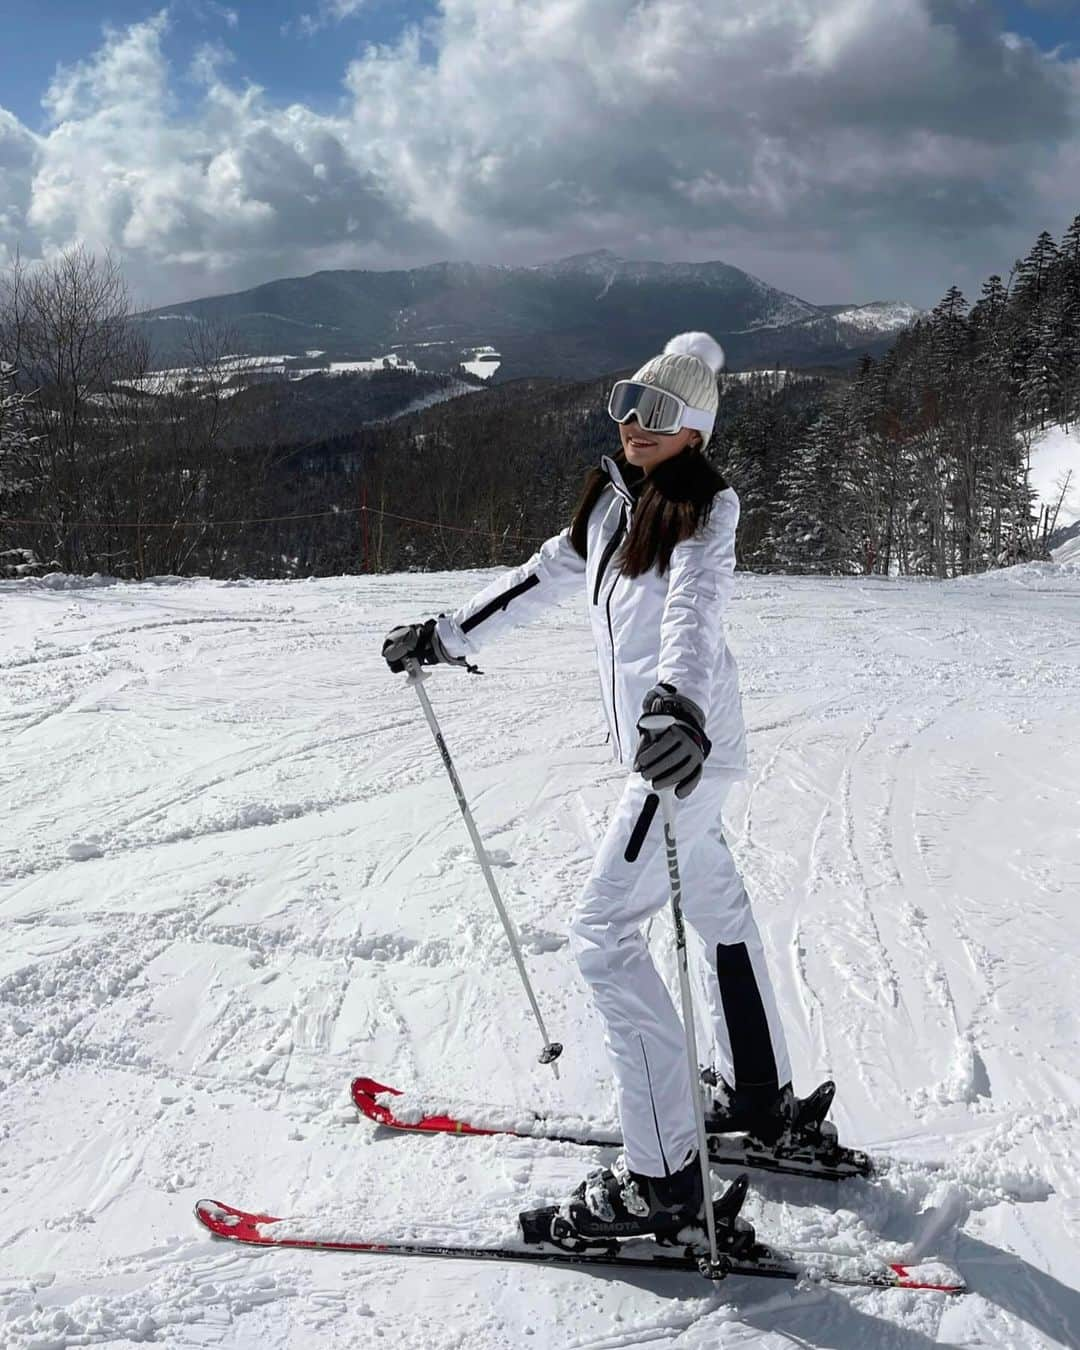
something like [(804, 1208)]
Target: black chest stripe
[(499, 602), (641, 827), (605, 557)]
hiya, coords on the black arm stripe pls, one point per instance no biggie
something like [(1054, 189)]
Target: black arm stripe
[(500, 602)]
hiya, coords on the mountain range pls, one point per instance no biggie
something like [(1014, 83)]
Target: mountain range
[(577, 317)]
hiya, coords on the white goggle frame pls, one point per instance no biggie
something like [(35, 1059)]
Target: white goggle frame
[(656, 410)]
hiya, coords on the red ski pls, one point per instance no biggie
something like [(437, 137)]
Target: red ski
[(751, 1258), (729, 1150)]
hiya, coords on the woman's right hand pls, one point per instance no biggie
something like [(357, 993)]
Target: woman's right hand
[(416, 642)]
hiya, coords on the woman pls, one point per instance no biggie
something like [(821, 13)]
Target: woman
[(653, 543)]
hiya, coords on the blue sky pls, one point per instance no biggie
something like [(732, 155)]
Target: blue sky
[(1051, 23), (270, 43), (844, 150)]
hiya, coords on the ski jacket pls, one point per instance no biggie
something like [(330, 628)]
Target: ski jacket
[(646, 629)]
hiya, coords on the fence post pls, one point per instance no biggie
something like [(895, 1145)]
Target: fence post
[(364, 514)]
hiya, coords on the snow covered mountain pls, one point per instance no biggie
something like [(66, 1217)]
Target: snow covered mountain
[(233, 874), (580, 316), (778, 308)]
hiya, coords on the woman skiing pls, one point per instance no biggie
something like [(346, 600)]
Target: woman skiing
[(652, 542)]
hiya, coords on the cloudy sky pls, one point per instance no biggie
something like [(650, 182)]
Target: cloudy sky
[(845, 150)]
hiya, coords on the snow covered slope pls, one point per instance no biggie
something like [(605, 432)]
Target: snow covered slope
[(232, 873), (879, 316), (1055, 478)]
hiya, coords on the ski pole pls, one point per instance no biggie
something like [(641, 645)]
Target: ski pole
[(667, 801), (552, 1049)]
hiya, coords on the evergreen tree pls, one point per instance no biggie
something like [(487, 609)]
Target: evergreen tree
[(1069, 251), (1068, 325), (990, 332), (752, 466), (1046, 376), (1033, 272), (879, 464), (950, 335), (814, 530)]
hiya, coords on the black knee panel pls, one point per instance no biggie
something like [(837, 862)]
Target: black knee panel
[(748, 1027)]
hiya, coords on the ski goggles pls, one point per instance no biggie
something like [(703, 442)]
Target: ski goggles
[(656, 410)]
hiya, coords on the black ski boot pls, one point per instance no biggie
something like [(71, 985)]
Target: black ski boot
[(775, 1130), (613, 1202), (773, 1118), (575, 1227)]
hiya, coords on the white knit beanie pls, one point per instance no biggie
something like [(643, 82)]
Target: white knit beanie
[(687, 368)]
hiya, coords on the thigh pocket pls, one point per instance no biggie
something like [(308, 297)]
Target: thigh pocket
[(641, 827)]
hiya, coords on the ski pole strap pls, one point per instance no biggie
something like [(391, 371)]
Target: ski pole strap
[(445, 655)]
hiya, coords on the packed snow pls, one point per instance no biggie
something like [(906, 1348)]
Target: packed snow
[(234, 874)]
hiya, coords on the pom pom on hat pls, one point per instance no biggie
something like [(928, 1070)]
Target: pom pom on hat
[(701, 345), (687, 367)]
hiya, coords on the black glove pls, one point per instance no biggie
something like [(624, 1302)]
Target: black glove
[(673, 744), (417, 642)]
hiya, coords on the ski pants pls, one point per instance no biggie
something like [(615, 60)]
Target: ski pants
[(643, 1033)]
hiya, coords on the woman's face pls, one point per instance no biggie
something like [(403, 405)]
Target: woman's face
[(647, 449)]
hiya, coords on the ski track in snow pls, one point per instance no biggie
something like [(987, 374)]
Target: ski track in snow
[(233, 874)]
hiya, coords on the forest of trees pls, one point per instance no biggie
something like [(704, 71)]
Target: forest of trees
[(912, 464), (919, 465)]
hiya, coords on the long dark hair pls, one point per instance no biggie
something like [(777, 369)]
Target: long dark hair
[(673, 503)]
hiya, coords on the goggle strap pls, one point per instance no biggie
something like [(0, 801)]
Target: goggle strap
[(698, 418)]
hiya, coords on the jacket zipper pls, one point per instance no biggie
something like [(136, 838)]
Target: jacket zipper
[(613, 544), (611, 641)]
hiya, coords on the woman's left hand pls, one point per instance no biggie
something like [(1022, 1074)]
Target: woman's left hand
[(673, 744)]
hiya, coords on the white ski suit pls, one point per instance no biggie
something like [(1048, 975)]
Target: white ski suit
[(648, 629)]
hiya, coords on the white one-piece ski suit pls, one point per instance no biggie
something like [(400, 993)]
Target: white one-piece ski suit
[(648, 629)]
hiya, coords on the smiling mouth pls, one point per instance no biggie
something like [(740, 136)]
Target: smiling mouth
[(641, 445)]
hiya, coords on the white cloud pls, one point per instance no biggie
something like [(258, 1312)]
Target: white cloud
[(18, 152), (329, 12), (231, 196), (598, 121), (841, 148)]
